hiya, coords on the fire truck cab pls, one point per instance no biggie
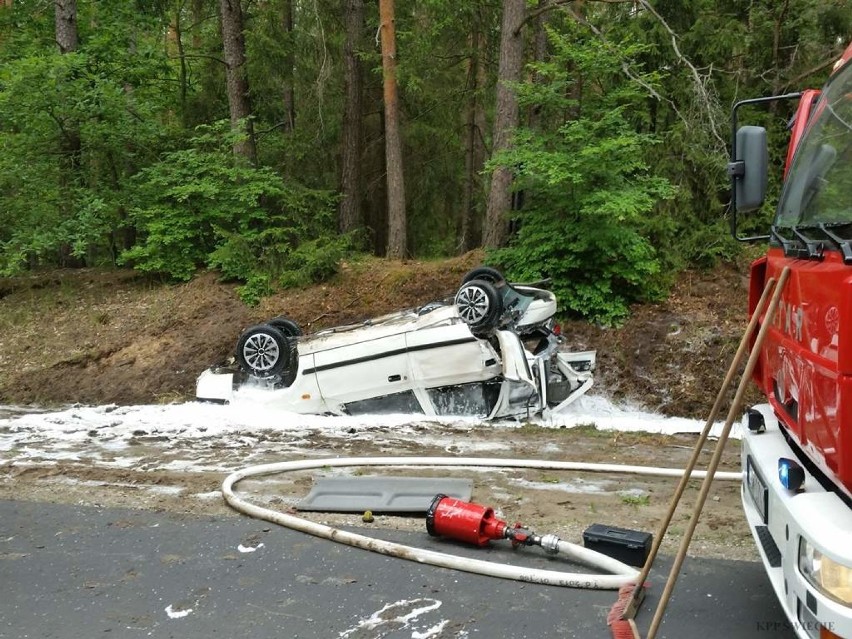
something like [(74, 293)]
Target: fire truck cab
[(797, 446)]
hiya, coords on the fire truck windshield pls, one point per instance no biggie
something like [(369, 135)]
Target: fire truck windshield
[(818, 191)]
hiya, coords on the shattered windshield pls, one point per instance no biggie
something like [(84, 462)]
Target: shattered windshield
[(819, 187)]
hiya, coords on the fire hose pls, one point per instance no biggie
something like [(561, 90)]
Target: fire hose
[(621, 572)]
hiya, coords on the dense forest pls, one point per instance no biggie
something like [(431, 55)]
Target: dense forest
[(583, 140)]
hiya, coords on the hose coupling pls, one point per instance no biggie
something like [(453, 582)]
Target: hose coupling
[(550, 543)]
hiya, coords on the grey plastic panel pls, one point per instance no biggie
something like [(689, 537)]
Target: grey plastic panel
[(382, 494)]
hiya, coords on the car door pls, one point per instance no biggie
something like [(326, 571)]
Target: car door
[(449, 354), (519, 394), (454, 372), (371, 376)]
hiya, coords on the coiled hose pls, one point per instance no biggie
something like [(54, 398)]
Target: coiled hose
[(621, 572)]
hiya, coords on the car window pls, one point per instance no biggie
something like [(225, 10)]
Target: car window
[(522, 396), (476, 399), (405, 402)]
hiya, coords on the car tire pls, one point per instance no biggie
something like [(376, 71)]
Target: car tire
[(286, 326), (480, 306), (264, 351), (485, 274)]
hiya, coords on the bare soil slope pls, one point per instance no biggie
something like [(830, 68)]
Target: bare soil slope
[(98, 337), (93, 336)]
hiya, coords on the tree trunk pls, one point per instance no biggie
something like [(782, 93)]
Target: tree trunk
[(575, 79), (350, 214), (288, 96), (234, 47), (778, 81), (373, 170), (66, 25), (468, 231), (177, 31), (70, 146), (397, 247), (540, 55), (6, 4), (197, 12), (505, 121)]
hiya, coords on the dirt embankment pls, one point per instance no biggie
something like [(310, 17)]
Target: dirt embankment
[(164, 471), (97, 337), (92, 336)]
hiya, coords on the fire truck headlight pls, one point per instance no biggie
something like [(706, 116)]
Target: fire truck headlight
[(831, 578)]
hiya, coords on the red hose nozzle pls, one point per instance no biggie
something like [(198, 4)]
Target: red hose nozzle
[(475, 524), (463, 521)]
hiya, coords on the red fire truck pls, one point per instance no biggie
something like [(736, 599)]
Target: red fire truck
[(797, 447)]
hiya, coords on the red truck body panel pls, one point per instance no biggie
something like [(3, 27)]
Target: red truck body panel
[(802, 529), (805, 367)]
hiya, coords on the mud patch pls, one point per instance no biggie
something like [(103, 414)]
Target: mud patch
[(182, 473), (100, 337)]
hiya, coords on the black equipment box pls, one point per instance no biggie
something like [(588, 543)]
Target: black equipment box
[(629, 546)]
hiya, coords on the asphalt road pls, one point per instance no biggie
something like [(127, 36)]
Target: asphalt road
[(80, 572)]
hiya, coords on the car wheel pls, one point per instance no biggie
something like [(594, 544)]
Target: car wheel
[(263, 351), (286, 326), (485, 274), (479, 305)]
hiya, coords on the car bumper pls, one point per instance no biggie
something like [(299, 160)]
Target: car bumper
[(214, 386), (780, 520)]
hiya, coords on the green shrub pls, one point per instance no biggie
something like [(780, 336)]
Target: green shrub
[(588, 192), (203, 206)]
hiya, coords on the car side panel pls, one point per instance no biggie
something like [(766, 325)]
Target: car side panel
[(515, 365), (520, 392), (303, 395), (450, 354), (362, 370)]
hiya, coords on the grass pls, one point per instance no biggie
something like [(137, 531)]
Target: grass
[(582, 430), (170, 397), (102, 318), (18, 308), (591, 431), (636, 500)]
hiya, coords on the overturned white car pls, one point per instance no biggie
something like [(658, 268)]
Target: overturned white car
[(490, 352)]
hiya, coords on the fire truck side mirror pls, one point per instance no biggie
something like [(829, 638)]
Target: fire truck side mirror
[(749, 168)]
